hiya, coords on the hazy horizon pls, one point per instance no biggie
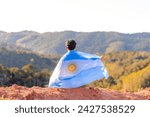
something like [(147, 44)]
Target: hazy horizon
[(70, 31)]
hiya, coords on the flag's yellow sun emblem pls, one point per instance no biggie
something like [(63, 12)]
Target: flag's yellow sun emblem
[(72, 67)]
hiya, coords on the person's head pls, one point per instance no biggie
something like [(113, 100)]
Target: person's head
[(70, 44)]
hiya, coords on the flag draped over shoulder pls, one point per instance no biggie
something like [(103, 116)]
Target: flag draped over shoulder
[(76, 69)]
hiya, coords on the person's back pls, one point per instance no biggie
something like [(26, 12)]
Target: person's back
[(76, 69)]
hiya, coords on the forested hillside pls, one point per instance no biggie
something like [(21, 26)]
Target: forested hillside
[(129, 71), (24, 68), (19, 58)]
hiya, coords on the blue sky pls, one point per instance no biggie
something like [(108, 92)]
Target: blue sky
[(127, 16)]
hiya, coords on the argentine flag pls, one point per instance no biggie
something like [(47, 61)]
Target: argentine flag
[(76, 69)]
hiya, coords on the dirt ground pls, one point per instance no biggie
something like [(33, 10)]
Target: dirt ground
[(16, 92)]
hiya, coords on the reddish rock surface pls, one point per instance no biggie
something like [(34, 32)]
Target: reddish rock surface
[(37, 93)]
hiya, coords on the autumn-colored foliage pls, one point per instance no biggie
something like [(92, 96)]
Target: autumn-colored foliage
[(129, 71)]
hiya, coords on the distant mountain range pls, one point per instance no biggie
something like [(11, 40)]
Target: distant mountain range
[(92, 42)]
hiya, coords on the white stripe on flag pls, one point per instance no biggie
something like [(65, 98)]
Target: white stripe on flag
[(81, 65)]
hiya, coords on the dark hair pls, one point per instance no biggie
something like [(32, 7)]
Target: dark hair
[(71, 44)]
